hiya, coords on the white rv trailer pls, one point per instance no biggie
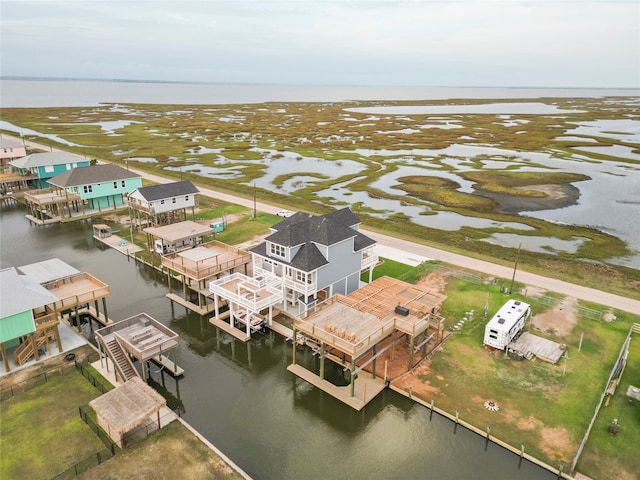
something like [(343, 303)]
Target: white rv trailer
[(506, 324)]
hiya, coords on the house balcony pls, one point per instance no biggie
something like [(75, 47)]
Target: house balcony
[(153, 210), (302, 288), (369, 260)]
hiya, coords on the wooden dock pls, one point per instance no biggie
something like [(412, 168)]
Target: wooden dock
[(168, 364), (527, 345), (233, 331), (365, 389), (191, 306), (120, 244)]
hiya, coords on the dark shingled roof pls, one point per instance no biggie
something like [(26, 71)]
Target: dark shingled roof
[(327, 229), (167, 190), (307, 230), (92, 174)]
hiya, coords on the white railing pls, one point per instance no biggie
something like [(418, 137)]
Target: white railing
[(369, 259), (248, 290)]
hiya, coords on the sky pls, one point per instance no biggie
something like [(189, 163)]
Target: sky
[(483, 43)]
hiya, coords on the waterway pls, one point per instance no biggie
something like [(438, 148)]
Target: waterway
[(243, 400)]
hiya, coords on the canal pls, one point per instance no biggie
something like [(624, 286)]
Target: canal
[(242, 398)]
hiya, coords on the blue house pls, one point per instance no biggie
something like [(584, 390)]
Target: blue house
[(99, 186), (47, 165)]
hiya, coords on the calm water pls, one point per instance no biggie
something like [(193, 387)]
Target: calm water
[(242, 399), (78, 93)]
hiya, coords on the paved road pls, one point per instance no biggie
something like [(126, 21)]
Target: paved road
[(413, 253)]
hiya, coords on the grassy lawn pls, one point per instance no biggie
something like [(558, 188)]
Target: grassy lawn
[(248, 228), (607, 456), (42, 433), (542, 406), (173, 452), (388, 267)]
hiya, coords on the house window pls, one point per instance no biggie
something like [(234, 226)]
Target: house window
[(186, 198), (87, 188), (123, 183), (48, 168), (68, 166), (173, 200), (162, 202), (303, 277), (115, 185), (277, 250)]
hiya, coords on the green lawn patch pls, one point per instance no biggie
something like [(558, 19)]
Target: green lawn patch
[(173, 452), (614, 457), (41, 431)]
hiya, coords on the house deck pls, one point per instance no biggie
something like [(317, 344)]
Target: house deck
[(76, 290), (207, 260), (355, 323)]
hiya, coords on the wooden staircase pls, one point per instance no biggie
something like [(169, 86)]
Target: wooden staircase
[(120, 359), (26, 349)]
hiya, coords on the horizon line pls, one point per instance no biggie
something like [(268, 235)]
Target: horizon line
[(202, 82)]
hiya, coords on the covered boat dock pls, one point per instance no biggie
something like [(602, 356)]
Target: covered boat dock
[(250, 299), (142, 338)]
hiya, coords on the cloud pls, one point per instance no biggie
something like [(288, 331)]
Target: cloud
[(464, 42)]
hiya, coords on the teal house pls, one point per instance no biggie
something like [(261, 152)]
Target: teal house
[(99, 186), (26, 317), (47, 165)]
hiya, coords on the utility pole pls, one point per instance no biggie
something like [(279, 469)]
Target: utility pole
[(514, 268), (254, 201)]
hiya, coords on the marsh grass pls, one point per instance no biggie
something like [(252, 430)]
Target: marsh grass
[(327, 131)]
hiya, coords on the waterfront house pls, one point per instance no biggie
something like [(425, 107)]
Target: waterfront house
[(306, 258), (27, 317), (162, 204), (316, 256), (44, 166), (98, 186), (10, 149)]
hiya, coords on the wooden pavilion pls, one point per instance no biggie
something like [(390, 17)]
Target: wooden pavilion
[(355, 330), (128, 407)]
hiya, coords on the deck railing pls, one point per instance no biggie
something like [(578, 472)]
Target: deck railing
[(202, 269), (247, 291)]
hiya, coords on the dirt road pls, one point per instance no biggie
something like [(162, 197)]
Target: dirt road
[(413, 253)]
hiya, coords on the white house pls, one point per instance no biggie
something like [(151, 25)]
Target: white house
[(164, 203)]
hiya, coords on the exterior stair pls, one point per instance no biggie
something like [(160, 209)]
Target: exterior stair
[(120, 359), (25, 351)]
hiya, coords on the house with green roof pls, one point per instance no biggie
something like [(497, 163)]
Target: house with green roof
[(99, 186)]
